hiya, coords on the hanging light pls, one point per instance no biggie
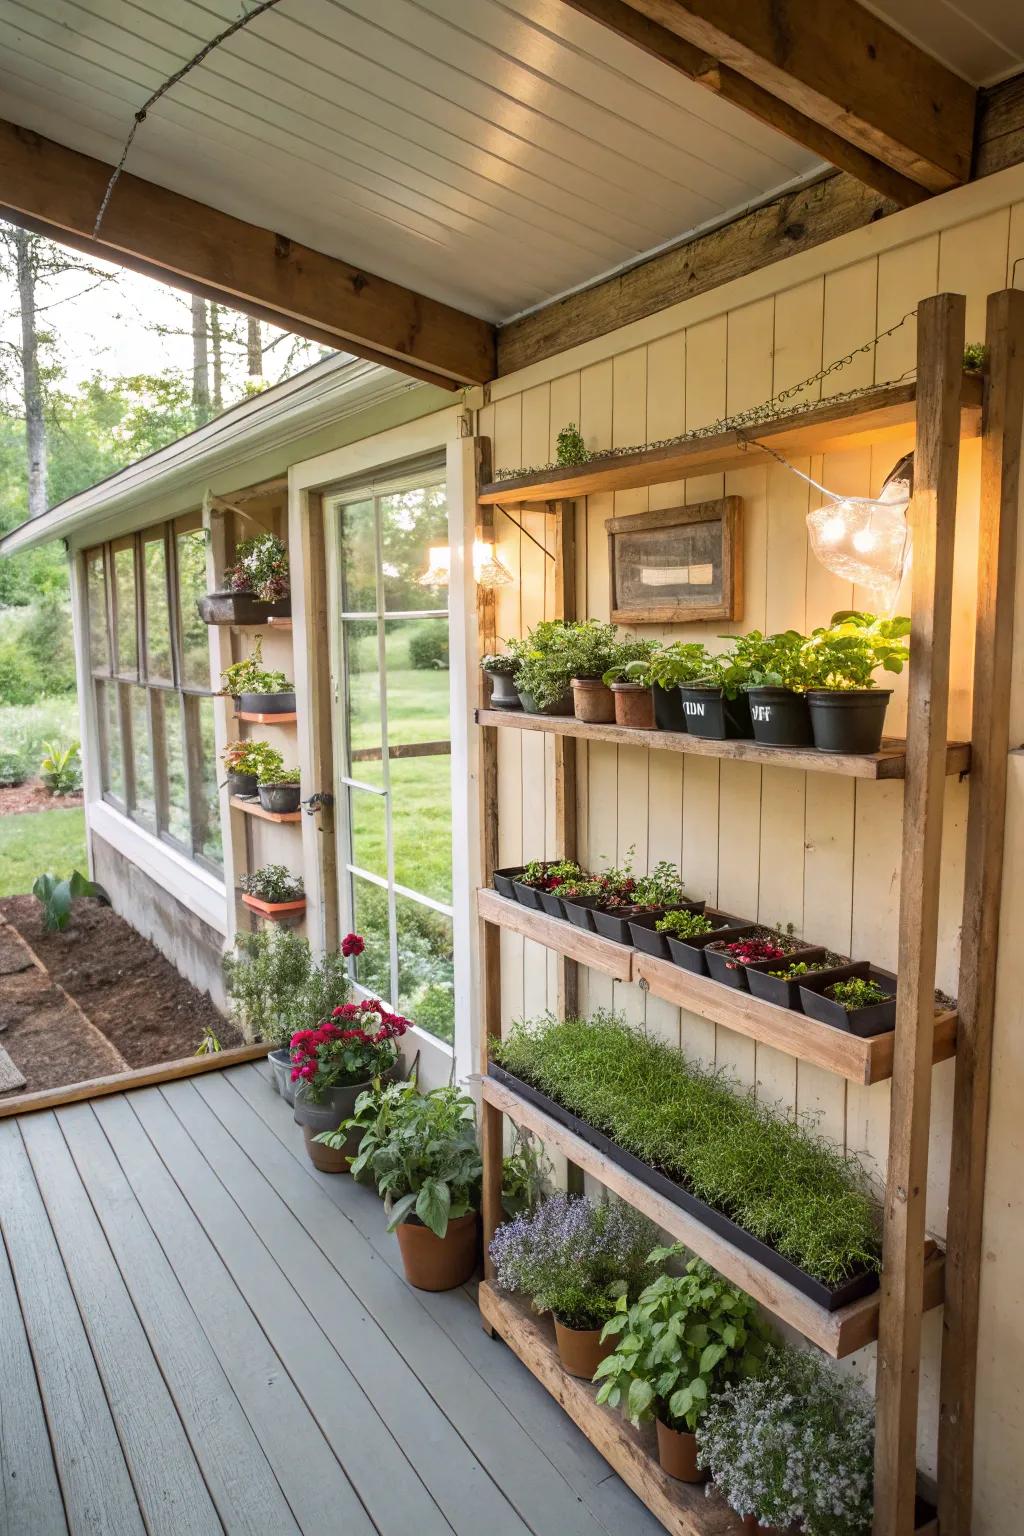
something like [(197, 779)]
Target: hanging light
[(488, 570), (439, 565), (867, 540)]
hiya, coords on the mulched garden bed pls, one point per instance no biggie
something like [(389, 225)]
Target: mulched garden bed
[(137, 1009), (15, 799)]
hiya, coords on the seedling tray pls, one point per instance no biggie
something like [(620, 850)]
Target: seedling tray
[(689, 953), (851, 1290), (644, 934), (580, 913), (733, 973), (786, 994), (615, 926), (503, 881), (876, 1019)]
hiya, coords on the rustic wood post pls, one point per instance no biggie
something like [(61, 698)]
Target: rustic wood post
[(1002, 424)]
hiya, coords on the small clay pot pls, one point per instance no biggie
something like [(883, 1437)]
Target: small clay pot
[(580, 1350), (634, 706), (677, 1454), (325, 1158), (435, 1263), (593, 701)]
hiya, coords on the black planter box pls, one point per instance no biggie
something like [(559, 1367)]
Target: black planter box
[(644, 934), (785, 994), (527, 896), (503, 881), (281, 799), (710, 714), (241, 608), (266, 703), (581, 912), (851, 1290), (552, 904), (689, 953), (876, 1019), (668, 709), (615, 926), (848, 720), (244, 785), (780, 718), (733, 973)]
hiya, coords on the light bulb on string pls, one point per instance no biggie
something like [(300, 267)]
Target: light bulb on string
[(866, 540), (488, 570)]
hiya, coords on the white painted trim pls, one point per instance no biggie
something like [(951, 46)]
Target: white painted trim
[(88, 735), (373, 455), (197, 890)]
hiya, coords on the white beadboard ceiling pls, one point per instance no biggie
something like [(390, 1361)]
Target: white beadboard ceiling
[(490, 153)]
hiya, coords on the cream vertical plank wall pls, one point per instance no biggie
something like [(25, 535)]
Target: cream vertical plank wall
[(770, 842)]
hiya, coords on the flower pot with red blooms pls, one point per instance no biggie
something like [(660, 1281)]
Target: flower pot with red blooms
[(728, 957), (334, 1063), (281, 1066)]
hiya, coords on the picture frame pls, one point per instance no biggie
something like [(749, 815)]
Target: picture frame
[(677, 565)]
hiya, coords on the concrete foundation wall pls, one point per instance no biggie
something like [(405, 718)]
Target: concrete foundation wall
[(192, 946)]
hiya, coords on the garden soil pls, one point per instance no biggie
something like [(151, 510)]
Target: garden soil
[(18, 798)]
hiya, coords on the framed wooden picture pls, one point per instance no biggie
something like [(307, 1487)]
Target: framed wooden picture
[(678, 564)]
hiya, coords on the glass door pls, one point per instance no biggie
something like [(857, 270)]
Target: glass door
[(392, 690)]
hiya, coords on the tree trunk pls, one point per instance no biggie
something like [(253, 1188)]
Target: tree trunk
[(254, 348), (35, 421), (200, 361), (218, 359)]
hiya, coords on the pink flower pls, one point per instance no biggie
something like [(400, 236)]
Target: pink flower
[(352, 944)]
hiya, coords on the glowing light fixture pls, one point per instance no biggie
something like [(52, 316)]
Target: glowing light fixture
[(488, 570), (867, 540)]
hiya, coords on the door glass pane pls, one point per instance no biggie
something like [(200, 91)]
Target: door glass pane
[(195, 648), (125, 630), (99, 639), (370, 919), (419, 732), (416, 652), (158, 615), (208, 835), (111, 759), (369, 827), (421, 824), (177, 817), (363, 676), (410, 522), (358, 558), (142, 756), (426, 968)]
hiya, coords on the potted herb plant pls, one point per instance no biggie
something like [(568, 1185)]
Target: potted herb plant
[(255, 587), (776, 681), (671, 668), (255, 690), (859, 998), (500, 668), (792, 1447), (589, 647), (779, 981), (575, 1258), (421, 1152), (279, 791), (715, 705), (847, 709), (728, 957), (687, 933), (630, 680), (539, 884), (333, 1064), (273, 891), (684, 1339), (543, 672), (640, 900), (244, 761)]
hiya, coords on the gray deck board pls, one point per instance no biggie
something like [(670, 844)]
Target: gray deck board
[(205, 1335)]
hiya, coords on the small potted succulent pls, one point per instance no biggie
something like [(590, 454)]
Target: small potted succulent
[(244, 761), (688, 933), (575, 1258), (630, 680), (279, 788), (255, 690), (539, 884), (682, 1342), (501, 668), (792, 1447), (715, 705), (671, 668), (728, 957), (859, 998), (336, 1062), (543, 673), (421, 1152), (255, 587), (776, 684), (779, 981), (273, 892), (847, 709)]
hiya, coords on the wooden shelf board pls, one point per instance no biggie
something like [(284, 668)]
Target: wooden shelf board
[(884, 412), (258, 719), (849, 1056), (279, 623), (253, 808), (683, 1508), (837, 1333), (890, 763)]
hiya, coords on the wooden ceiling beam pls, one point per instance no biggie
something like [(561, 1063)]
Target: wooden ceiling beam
[(57, 191), (832, 76)]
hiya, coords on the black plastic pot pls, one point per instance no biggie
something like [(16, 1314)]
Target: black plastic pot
[(831, 1300), (783, 993), (780, 717), (562, 706), (266, 703), (240, 608), (503, 691), (689, 953), (580, 912), (848, 720), (876, 1019), (709, 713), (732, 973), (668, 709), (552, 904), (282, 799), (503, 881), (644, 933), (615, 925), (527, 896), (244, 784)]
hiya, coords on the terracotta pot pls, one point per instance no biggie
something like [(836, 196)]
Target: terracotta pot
[(677, 1454), (634, 706), (325, 1158), (274, 909), (435, 1263), (581, 1350), (593, 701)]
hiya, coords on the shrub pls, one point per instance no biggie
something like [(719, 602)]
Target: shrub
[(15, 766), (773, 1176), (570, 447), (275, 987), (61, 767), (428, 648)]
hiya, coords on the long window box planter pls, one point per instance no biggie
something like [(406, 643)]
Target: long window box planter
[(831, 1299)]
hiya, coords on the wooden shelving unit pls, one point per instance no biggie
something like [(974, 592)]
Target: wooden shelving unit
[(253, 808), (279, 623), (251, 717), (849, 1056), (943, 406)]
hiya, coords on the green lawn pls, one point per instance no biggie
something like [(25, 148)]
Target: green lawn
[(39, 841)]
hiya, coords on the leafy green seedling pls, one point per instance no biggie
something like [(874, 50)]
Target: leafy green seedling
[(56, 896)]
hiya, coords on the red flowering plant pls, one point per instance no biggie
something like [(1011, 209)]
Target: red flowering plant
[(762, 944), (549, 876), (355, 1045)]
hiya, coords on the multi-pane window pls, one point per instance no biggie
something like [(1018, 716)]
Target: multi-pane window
[(396, 748), (150, 661)]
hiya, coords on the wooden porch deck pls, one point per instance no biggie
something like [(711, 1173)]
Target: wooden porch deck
[(200, 1334)]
